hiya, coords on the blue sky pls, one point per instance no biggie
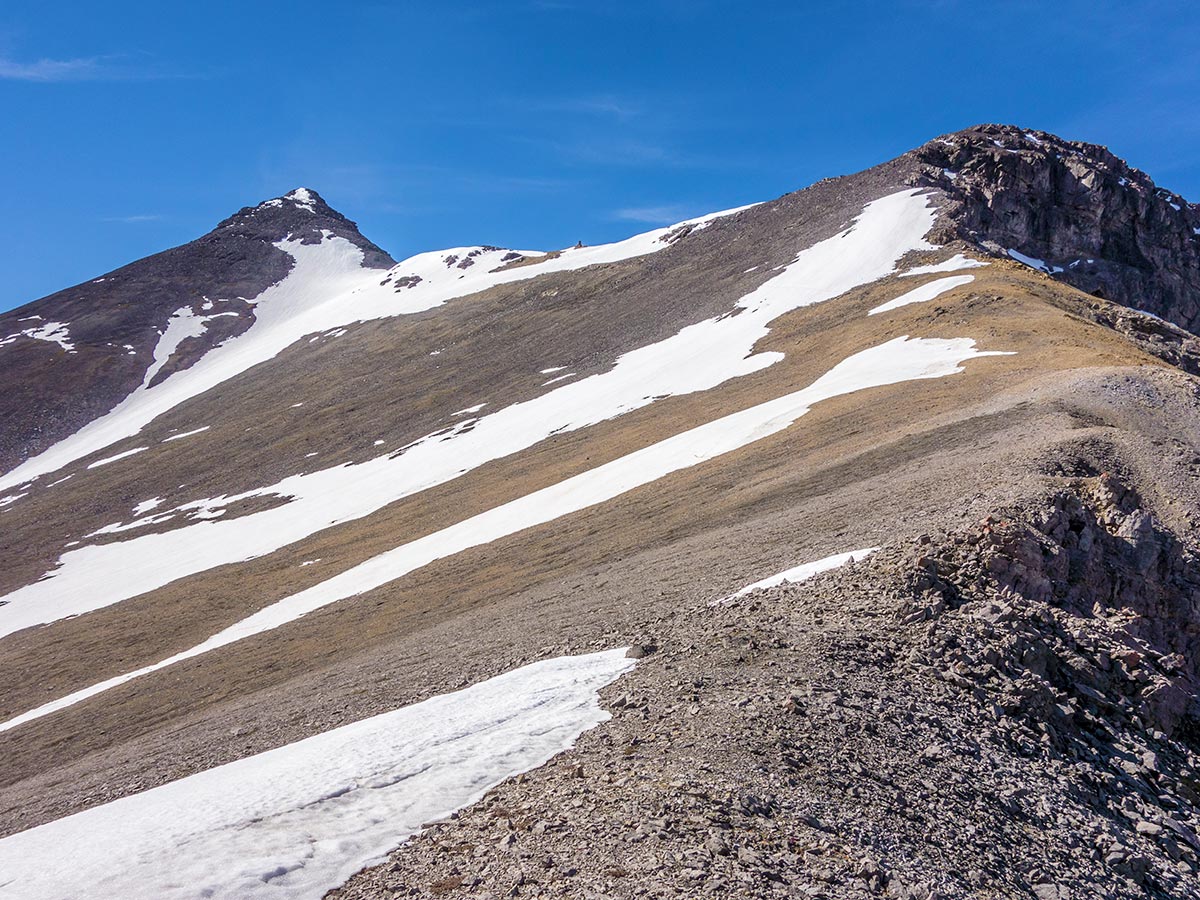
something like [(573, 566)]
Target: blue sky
[(130, 127)]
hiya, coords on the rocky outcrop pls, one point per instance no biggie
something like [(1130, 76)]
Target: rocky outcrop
[(1095, 222), (1099, 608)]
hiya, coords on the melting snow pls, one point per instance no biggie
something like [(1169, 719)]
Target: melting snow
[(898, 360), (925, 292), (802, 572), (470, 409), (301, 819), (112, 459), (1033, 262), (954, 264), (54, 332), (559, 378)]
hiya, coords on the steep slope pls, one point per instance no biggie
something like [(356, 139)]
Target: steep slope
[(73, 355), (393, 485)]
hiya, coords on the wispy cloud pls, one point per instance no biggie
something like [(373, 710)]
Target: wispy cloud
[(133, 220), (653, 215), (113, 67), (601, 105), (83, 69)]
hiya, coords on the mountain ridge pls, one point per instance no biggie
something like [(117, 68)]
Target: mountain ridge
[(396, 484)]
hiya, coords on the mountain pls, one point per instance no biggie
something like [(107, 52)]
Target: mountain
[(184, 301), (839, 545)]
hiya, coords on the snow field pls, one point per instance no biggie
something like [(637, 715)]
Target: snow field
[(697, 358), (298, 820), (326, 289), (901, 359)]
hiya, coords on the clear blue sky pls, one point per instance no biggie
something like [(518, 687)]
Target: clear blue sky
[(129, 127)]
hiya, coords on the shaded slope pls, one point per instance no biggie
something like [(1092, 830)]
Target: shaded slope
[(114, 322)]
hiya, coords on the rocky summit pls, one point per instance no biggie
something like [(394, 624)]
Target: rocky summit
[(842, 545)]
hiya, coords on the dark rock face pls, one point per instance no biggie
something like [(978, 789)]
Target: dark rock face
[(303, 215), (1098, 224), (115, 321)]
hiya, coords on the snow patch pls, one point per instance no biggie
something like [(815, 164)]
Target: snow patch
[(112, 459), (301, 819), (179, 437), (303, 198), (146, 505), (182, 324), (54, 332), (924, 293), (1033, 262), (800, 573), (955, 263)]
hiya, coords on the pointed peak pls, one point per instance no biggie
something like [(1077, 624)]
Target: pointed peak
[(301, 214), (303, 195), (301, 198)]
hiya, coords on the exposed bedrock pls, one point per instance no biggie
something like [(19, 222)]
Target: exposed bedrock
[(1078, 208)]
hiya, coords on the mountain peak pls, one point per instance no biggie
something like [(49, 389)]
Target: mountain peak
[(301, 198), (1087, 216), (302, 215)]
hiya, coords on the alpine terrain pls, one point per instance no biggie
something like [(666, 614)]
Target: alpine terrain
[(844, 545)]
